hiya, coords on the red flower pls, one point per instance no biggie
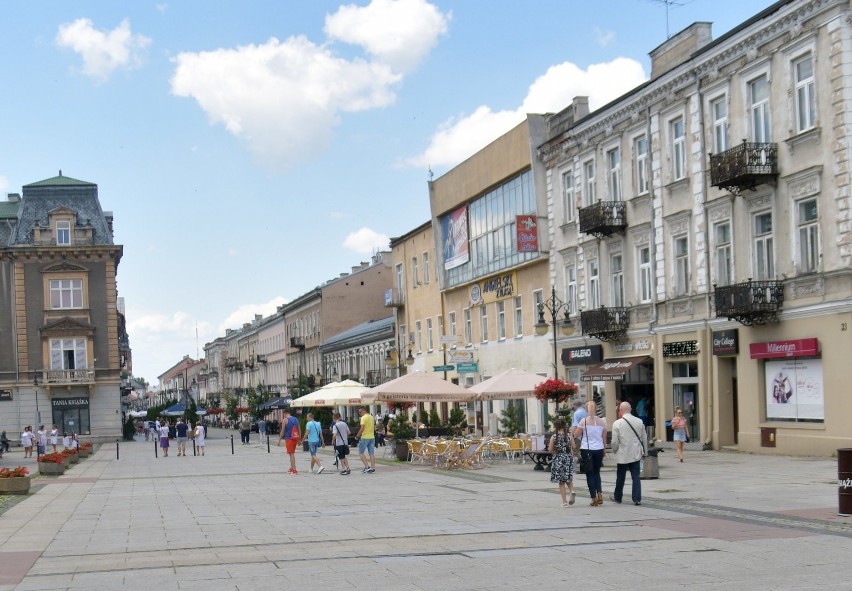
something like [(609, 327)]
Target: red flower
[(55, 458), (400, 406), (557, 390), (18, 472)]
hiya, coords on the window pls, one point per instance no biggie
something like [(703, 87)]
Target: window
[(66, 294), (594, 285), (764, 254), (571, 288), (724, 254), (501, 320), (538, 302), (519, 317), (589, 169), (440, 327), (63, 232), (400, 285), (415, 273), (616, 270), (402, 333), (613, 158), (568, 198), (681, 278), (468, 327), (719, 111), (483, 322), (68, 354), (425, 267), (453, 324), (808, 215), (644, 256), (641, 165), (418, 326), (805, 103), (678, 149), (429, 339), (758, 93)]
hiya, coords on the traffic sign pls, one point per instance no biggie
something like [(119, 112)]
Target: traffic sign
[(443, 367), (468, 367)]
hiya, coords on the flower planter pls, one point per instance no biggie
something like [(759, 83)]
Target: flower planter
[(66, 463), (49, 468), (74, 458), (15, 486), (84, 453)]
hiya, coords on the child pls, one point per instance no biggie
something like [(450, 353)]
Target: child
[(74, 443), (562, 467), (66, 441)]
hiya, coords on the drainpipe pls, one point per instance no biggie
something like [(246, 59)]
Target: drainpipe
[(653, 254)]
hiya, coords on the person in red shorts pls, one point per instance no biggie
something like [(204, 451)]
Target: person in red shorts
[(291, 435)]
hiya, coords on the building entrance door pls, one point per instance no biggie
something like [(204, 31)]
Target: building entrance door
[(685, 395)]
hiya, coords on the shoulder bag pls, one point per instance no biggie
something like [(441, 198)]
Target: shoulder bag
[(345, 446), (641, 460), (585, 459)]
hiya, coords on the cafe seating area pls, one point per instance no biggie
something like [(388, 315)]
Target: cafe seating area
[(467, 452)]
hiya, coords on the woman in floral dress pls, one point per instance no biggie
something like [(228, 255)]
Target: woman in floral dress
[(562, 467)]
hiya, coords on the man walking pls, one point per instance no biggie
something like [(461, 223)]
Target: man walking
[(367, 440), (181, 430), (629, 442), (578, 415), (261, 430), (245, 430), (340, 434), (290, 434), (313, 430)]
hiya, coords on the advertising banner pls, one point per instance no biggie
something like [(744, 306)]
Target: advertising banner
[(794, 390), (455, 238), (526, 233)]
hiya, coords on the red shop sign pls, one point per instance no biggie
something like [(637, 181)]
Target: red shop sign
[(774, 349)]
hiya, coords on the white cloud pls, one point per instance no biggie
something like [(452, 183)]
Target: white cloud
[(161, 7), (284, 98), (103, 52), (246, 312), (604, 38), (458, 138), (161, 340), (396, 32), (366, 241)]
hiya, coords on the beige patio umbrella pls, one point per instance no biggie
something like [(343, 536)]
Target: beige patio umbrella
[(343, 393), (510, 384), (417, 386)]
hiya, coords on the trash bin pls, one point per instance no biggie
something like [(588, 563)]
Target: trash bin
[(844, 482), (669, 431), (651, 465)]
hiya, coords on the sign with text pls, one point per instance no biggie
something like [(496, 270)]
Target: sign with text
[(582, 355), (493, 289), (726, 342), (779, 349), (467, 367), (69, 402), (455, 238), (526, 233), (5, 395), (465, 356)]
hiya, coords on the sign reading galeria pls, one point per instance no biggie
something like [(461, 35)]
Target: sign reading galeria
[(794, 390)]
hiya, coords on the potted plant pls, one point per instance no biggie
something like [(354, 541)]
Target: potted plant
[(402, 432), (85, 449), (69, 456), (556, 390), (51, 464), (14, 481)]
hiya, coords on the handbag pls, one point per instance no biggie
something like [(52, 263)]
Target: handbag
[(344, 449), (642, 459), (585, 460)]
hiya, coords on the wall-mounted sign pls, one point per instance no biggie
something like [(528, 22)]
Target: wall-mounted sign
[(455, 238), (467, 367), (777, 349), (636, 346), (463, 356), (69, 402), (5, 395), (582, 355), (680, 349), (526, 233), (493, 289), (726, 342)]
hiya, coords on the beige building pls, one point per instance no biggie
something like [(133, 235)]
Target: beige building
[(702, 222)]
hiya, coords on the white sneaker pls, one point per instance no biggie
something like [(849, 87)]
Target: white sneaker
[(320, 469)]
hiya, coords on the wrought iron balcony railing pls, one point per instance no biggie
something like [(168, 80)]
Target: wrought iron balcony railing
[(606, 324), (64, 377), (603, 218), (750, 303), (744, 167), (297, 343)]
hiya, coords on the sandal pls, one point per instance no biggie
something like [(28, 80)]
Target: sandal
[(564, 504), (572, 499)]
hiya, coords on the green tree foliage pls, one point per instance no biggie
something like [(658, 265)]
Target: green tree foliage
[(510, 422), (231, 403), (457, 422)]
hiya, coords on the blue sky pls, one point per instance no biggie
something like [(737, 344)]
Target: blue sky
[(252, 150)]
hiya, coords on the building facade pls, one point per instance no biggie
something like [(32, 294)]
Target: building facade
[(702, 222), (61, 331)]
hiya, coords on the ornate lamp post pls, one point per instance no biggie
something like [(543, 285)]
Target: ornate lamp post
[(554, 306)]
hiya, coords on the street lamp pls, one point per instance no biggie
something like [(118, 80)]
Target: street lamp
[(554, 306), (393, 359), (35, 389)]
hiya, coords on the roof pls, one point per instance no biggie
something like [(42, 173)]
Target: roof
[(9, 209), (59, 181), (372, 330)]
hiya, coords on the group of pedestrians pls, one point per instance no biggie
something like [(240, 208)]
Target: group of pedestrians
[(39, 440), (183, 432), (629, 445)]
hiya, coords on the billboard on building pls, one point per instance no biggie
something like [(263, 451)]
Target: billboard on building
[(455, 238), (794, 390), (526, 233)]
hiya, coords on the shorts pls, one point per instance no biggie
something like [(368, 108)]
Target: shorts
[(291, 445), (312, 447), (368, 445), (181, 440), (342, 451), (164, 442), (680, 434)]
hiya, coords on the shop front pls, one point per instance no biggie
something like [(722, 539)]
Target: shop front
[(71, 415), (624, 378)]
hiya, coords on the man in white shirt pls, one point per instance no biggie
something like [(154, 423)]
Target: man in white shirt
[(629, 442)]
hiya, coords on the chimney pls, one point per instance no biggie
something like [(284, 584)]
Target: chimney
[(680, 47), (14, 197)]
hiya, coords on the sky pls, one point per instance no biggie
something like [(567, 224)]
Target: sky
[(251, 151)]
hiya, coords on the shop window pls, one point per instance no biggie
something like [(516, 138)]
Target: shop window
[(794, 390)]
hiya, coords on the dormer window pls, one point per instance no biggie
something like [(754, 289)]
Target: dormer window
[(63, 232)]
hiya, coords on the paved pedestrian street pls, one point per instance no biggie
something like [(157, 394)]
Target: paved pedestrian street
[(223, 521)]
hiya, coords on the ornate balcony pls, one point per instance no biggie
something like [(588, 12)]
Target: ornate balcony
[(297, 343), (750, 303), (606, 324), (68, 377), (603, 218), (744, 167)]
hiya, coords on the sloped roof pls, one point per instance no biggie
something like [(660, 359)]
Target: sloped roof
[(9, 209), (371, 330), (59, 181)]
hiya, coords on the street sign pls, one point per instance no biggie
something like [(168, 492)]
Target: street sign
[(443, 367), (468, 367), (448, 339), (463, 356)]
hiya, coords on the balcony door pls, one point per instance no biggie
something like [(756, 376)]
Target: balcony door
[(68, 354)]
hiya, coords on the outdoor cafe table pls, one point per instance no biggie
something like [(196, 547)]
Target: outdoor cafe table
[(542, 459)]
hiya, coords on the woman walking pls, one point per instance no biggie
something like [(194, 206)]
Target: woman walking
[(164, 438), (562, 467), (54, 437), (200, 432), (680, 432), (592, 434)]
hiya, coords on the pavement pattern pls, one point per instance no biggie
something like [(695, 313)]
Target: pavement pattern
[(239, 521)]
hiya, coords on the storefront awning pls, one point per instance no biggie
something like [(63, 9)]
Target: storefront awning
[(612, 369)]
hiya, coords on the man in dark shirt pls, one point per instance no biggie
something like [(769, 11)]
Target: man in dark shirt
[(180, 432)]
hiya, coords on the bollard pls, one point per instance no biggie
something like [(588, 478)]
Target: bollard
[(156, 453), (267, 444), (232, 445), (193, 447), (116, 449)]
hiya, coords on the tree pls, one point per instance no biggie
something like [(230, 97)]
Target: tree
[(510, 422), (457, 422)]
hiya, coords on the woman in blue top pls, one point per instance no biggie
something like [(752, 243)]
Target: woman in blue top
[(314, 430)]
